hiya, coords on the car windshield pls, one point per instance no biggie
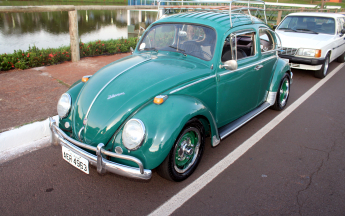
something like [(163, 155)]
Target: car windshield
[(308, 24), (189, 39)]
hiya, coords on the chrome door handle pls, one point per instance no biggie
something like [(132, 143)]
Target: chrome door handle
[(258, 67)]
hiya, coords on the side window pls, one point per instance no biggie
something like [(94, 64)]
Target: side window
[(240, 44), (266, 40)]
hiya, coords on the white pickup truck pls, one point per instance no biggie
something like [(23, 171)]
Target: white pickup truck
[(312, 40)]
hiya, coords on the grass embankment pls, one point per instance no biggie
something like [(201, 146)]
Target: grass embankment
[(35, 57)]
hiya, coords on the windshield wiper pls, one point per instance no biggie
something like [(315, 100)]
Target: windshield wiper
[(289, 29), (178, 49), (314, 32), (151, 48)]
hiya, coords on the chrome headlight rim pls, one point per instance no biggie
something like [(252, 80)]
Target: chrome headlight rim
[(69, 104), (142, 125)]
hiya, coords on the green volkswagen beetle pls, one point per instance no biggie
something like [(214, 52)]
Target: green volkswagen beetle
[(193, 76)]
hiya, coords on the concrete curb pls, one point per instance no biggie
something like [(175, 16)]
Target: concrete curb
[(25, 139)]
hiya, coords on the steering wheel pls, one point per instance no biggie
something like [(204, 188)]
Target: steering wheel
[(202, 52)]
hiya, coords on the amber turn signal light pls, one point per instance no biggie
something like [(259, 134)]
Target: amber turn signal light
[(85, 78), (318, 53), (160, 99)]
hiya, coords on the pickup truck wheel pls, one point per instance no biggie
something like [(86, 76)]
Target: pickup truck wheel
[(282, 94), (341, 58), (185, 154), (324, 69)]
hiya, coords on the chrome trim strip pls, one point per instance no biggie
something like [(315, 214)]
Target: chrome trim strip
[(103, 165), (251, 65), (87, 113), (233, 126), (193, 83)]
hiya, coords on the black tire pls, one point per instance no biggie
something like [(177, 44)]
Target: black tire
[(324, 69), (341, 58), (171, 167), (283, 93)]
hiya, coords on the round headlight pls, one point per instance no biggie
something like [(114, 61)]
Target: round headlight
[(133, 134), (64, 105)]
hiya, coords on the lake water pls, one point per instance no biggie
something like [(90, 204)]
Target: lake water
[(50, 29)]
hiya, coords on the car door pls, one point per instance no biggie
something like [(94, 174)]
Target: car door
[(238, 90), (339, 42)]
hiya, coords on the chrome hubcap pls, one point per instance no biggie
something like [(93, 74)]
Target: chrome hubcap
[(186, 150), (284, 92)]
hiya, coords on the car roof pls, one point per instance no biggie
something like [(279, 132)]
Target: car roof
[(216, 20), (333, 15)]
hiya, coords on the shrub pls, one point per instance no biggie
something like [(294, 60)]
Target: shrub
[(35, 57)]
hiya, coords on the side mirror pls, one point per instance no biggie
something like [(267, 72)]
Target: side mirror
[(274, 27), (230, 65)]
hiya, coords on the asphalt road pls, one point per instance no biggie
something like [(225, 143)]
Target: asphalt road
[(298, 168)]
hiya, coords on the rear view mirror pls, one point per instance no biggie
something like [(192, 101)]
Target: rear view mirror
[(182, 34), (342, 31), (142, 46)]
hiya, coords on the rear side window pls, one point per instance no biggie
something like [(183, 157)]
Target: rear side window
[(266, 40)]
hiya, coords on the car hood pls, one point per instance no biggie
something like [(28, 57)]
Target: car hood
[(304, 40), (119, 89)]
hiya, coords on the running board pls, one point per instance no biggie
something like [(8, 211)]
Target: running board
[(228, 129)]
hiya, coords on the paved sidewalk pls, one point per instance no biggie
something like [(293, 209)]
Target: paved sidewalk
[(32, 95)]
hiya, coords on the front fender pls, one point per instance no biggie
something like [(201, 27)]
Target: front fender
[(281, 68), (74, 92), (163, 124)]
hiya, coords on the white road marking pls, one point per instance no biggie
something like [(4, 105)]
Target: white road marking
[(190, 190)]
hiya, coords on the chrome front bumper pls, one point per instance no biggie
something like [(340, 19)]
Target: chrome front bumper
[(103, 165)]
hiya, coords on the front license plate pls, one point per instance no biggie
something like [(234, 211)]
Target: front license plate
[(76, 160)]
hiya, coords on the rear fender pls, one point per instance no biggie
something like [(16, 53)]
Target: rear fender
[(282, 67)]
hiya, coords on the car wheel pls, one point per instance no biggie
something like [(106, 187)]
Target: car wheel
[(185, 154), (282, 94), (341, 58), (324, 69)]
